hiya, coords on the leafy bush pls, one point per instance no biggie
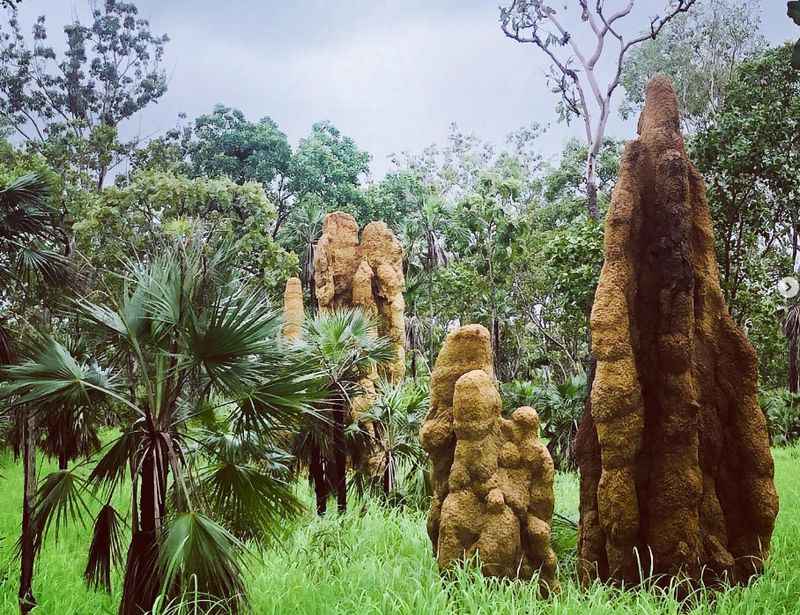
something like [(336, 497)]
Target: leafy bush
[(782, 409)]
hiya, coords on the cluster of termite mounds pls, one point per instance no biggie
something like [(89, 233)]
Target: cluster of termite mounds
[(353, 273), (675, 466), (492, 477), (673, 450)]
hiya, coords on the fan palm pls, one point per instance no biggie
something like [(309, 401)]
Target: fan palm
[(396, 417), (28, 231), (178, 338), (343, 346), (301, 233)]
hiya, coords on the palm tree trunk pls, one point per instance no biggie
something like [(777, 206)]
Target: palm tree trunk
[(317, 471), (142, 584), (340, 459), (27, 602), (63, 462)]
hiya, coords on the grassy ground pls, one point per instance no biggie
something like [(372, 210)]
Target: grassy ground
[(374, 561)]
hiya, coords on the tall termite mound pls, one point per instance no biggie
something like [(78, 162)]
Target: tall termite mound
[(366, 274), (293, 309), (676, 470), (492, 477)]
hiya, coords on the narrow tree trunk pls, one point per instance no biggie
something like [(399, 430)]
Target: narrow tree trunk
[(142, 583), (27, 548), (317, 471), (340, 459), (63, 462), (794, 381), (591, 185), (387, 478)]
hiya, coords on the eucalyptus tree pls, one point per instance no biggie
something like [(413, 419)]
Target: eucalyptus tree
[(699, 51), (70, 107), (177, 337), (575, 71)]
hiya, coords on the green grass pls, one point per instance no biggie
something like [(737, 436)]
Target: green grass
[(374, 561)]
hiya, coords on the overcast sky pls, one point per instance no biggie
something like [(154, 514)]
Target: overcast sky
[(391, 75)]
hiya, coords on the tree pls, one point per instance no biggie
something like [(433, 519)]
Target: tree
[(224, 143), (69, 109), (396, 417), (793, 8), (485, 227), (344, 347), (28, 232), (131, 220), (330, 166), (180, 337), (699, 51), (538, 23)]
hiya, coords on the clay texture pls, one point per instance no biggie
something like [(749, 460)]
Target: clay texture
[(676, 470), (367, 274), (293, 309), (492, 477)]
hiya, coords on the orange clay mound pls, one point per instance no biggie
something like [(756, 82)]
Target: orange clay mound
[(676, 470), (492, 477)]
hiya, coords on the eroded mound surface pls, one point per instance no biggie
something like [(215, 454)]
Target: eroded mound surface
[(676, 471)]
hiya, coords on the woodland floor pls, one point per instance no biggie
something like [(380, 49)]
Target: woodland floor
[(378, 561)]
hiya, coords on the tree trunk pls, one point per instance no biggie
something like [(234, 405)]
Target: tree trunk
[(63, 462), (340, 459), (142, 583), (591, 185), (317, 471), (27, 547), (794, 383)]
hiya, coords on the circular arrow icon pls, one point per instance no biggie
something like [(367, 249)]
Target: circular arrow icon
[(788, 287)]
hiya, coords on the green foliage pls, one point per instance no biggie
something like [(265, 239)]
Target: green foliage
[(699, 51), (400, 475), (135, 218), (793, 10), (181, 332), (378, 559), (751, 165), (782, 409), (69, 107), (560, 407), (329, 165)]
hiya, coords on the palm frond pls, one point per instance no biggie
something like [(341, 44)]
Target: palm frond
[(54, 376), (249, 498), (58, 502), (32, 260), (105, 549), (111, 467), (195, 550), (229, 337)]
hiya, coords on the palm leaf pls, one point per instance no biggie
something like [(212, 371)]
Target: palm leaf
[(196, 551), (105, 550), (228, 338), (250, 499), (58, 502)]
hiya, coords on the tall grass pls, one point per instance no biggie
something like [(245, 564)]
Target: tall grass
[(378, 561)]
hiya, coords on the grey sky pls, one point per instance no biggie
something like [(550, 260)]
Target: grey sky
[(392, 75)]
